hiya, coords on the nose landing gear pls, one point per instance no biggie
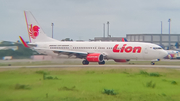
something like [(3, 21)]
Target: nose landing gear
[(152, 63)]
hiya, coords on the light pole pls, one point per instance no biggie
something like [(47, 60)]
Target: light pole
[(52, 24), (169, 26), (169, 32), (108, 29), (104, 30), (161, 27)]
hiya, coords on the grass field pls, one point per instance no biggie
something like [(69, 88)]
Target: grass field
[(89, 84)]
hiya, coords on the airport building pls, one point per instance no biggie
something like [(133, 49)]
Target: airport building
[(108, 38), (167, 41)]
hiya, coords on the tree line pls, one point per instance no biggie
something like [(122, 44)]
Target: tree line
[(21, 52)]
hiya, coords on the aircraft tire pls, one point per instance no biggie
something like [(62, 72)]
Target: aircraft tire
[(85, 62), (152, 63), (101, 63)]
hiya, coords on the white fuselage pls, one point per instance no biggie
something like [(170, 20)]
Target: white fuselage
[(146, 51)]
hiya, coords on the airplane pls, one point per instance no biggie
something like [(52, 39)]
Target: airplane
[(90, 51), (171, 54), (8, 47)]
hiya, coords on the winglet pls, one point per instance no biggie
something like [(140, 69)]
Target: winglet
[(23, 42), (124, 40)]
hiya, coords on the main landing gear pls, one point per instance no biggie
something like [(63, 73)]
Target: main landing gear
[(85, 62), (102, 62)]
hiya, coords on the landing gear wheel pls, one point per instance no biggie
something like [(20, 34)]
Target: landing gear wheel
[(85, 62), (101, 63), (152, 63)]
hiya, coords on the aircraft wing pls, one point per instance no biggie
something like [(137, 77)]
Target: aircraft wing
[(71, 53), (32, 45), (75, 53)]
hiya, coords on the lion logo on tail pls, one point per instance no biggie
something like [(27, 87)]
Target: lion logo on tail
[(34, 31)]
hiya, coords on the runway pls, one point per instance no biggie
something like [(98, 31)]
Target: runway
[(89, 66)]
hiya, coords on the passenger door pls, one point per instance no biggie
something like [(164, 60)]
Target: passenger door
[(146, 52)]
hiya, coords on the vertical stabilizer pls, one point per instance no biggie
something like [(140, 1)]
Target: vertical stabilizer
[(35, 31)]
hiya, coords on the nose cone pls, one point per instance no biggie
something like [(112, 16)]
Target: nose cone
[(164, 53)]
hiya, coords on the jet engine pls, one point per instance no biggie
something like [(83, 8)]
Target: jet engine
[(121, 60), (95, 57)]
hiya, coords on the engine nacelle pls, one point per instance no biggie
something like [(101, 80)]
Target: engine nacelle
[(95, 57), (121, 60)]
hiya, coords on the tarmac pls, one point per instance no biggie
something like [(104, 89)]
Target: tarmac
[(83, 66), (98, 66)]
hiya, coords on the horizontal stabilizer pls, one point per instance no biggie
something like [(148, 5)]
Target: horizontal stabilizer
[(30, 45)]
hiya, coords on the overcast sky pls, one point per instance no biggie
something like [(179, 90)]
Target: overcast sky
[(83, 19)]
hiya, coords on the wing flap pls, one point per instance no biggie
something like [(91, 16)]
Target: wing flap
[(70, 53)]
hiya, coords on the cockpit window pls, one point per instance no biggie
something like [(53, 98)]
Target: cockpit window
[(157, 48)]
